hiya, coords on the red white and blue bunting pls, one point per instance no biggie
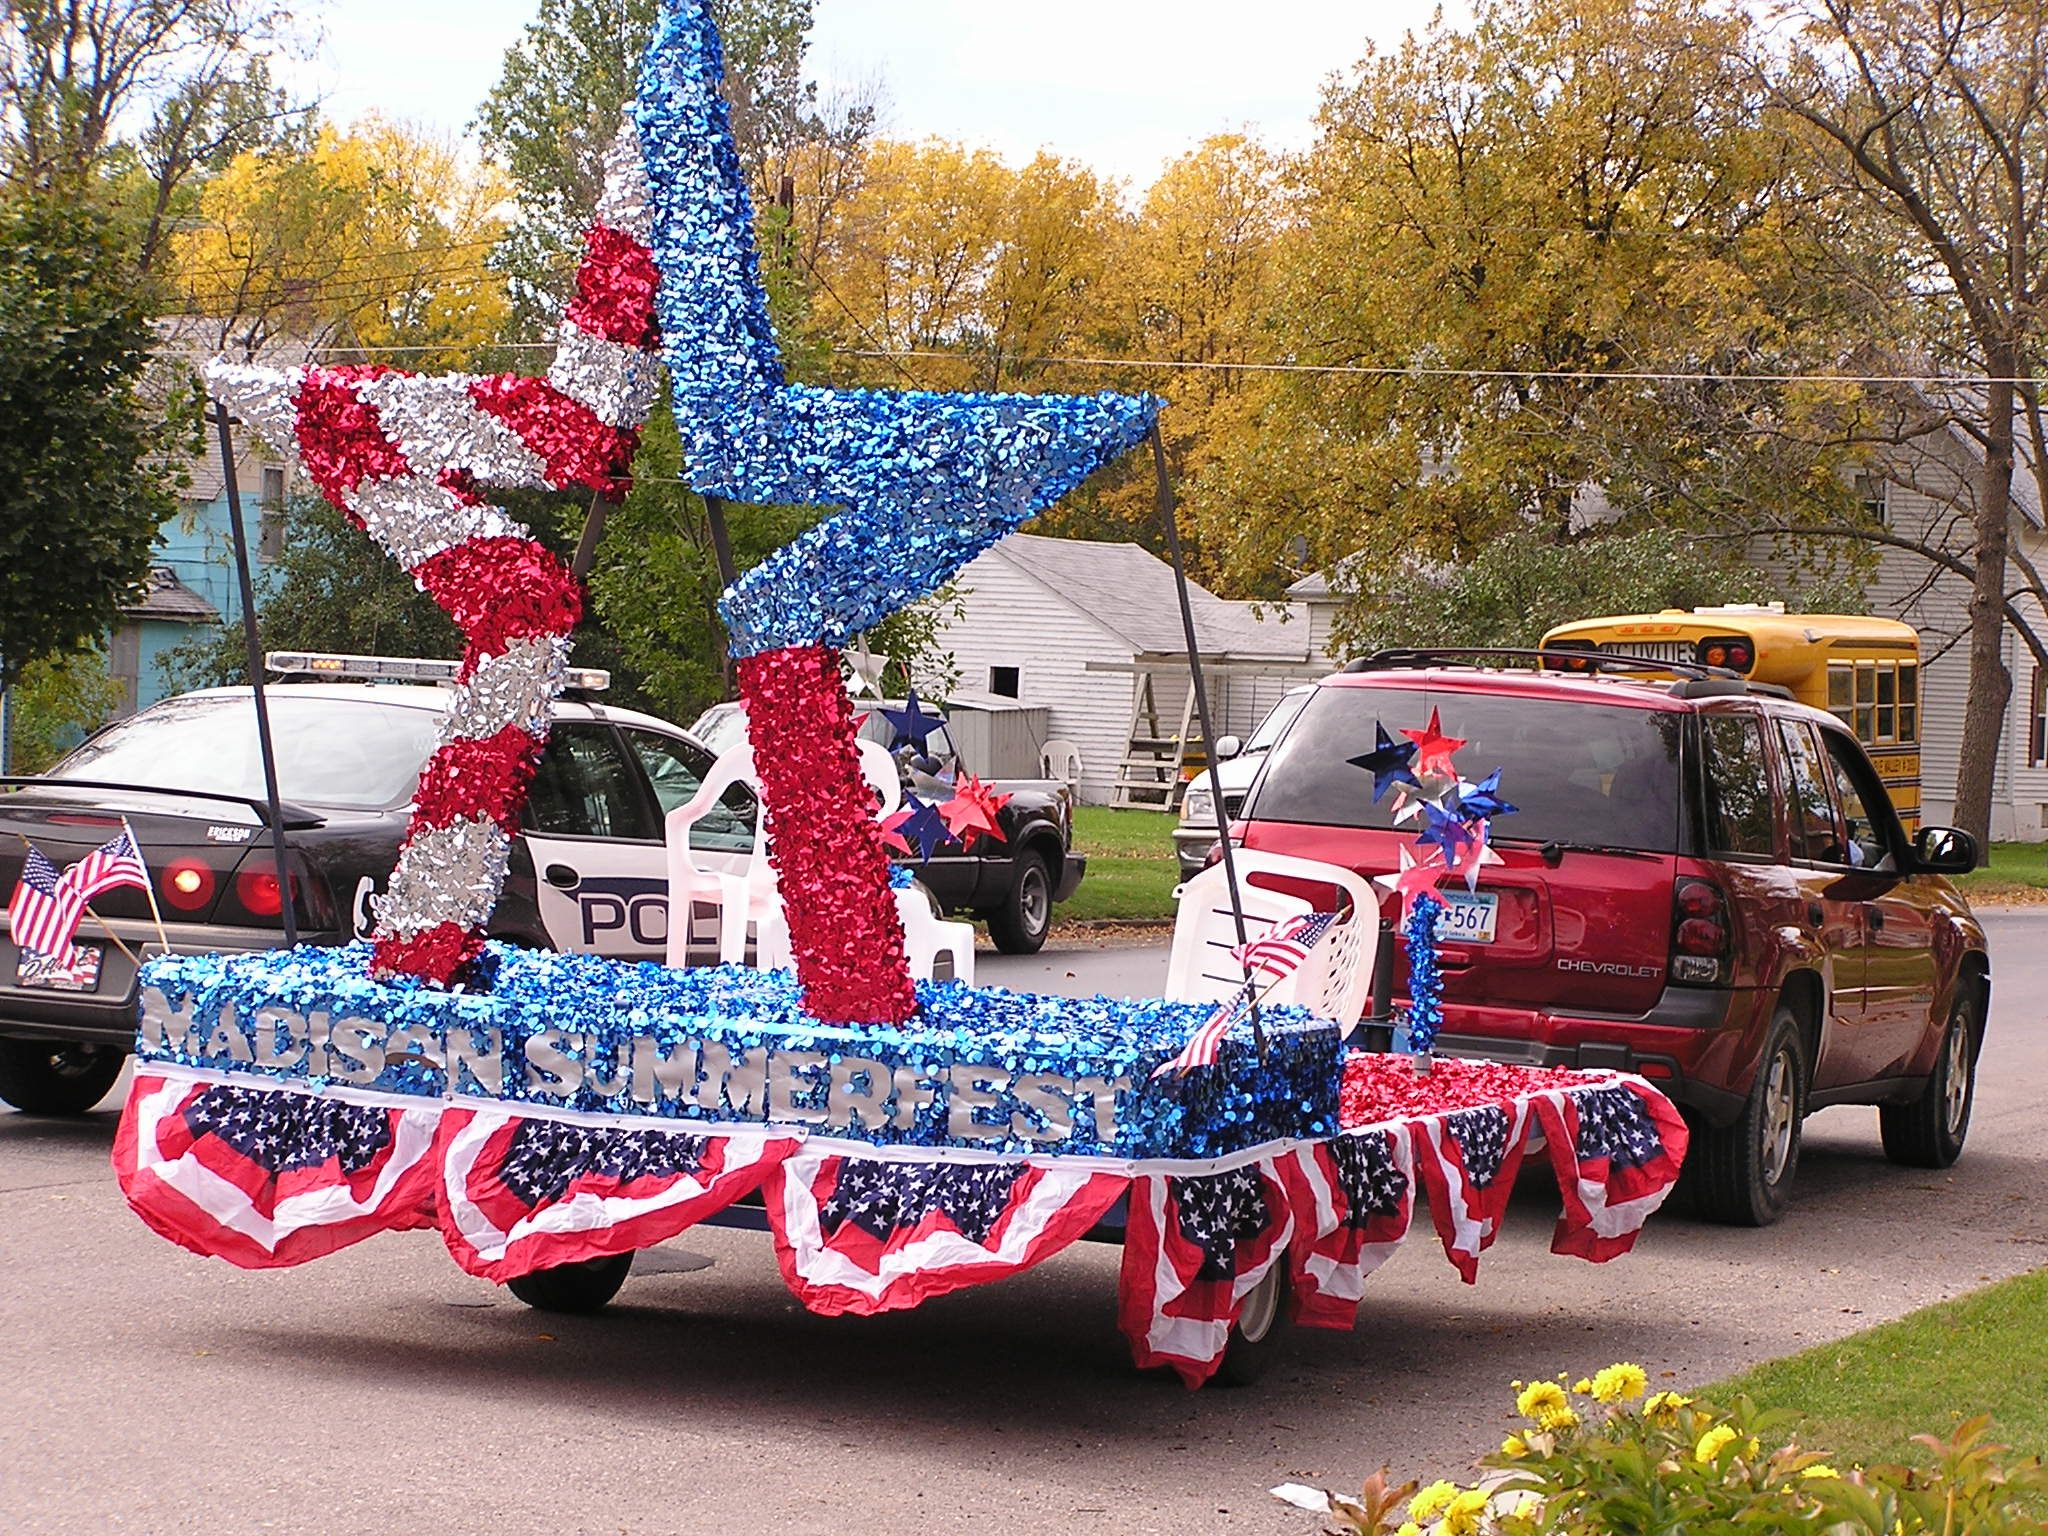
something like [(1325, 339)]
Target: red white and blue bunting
[(274, 1176)]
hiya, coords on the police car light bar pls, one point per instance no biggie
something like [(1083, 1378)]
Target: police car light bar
[(406, 669)]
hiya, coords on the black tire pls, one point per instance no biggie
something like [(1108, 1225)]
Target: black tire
[(575, 1288), (1929, 1132), (1742, 1173), (54, 1077), (1020, 924), (1255, 1336)]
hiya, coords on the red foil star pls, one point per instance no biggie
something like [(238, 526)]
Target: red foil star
[(1434, 748), (972, 812)]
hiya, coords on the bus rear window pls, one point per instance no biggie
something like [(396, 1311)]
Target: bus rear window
[(1599, 774)]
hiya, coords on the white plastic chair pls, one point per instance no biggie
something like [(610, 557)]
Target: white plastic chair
[(926, 936), (747, 900), (1060, 759), (1335, 981)]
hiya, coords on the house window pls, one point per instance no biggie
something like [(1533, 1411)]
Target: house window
[(1003, 682), (2037, 721), (1870, 490), (270, 524)]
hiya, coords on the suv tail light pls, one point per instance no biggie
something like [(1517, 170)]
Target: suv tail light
[(1702, 937)]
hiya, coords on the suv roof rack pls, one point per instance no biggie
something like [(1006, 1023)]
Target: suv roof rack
[(1593, 661), (1694, 681), (339, 666)]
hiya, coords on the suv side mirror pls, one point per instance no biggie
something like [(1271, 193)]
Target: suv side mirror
[(1227, 747), (1944, 851)]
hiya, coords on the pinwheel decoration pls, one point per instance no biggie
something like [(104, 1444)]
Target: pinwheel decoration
[(1456, 838)]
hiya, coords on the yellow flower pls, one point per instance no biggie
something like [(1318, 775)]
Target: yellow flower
[(1820, 1471), (1713, 1442), (1432, 1501), (1461, 1516), (1666, 1404), (1514, 1445), (1409, 1528), (1582, 1386), (1539, 1398), (1622, 1383), (1552, 1420)]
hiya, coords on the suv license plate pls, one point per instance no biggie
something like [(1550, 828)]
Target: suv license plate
[(47, 972), (1467, 918)]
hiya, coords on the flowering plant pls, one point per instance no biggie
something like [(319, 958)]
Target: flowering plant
[(1604, 1455)]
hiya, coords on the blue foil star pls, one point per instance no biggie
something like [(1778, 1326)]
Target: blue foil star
[(926, 481), (1387, 762), (1485, 801), (924, 828), (912, 725), (1445, 830)]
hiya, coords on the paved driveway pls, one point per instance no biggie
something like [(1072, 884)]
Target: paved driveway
[(146, 1389)]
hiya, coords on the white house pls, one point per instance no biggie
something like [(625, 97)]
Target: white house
[(1091, 632), (1924, 495)]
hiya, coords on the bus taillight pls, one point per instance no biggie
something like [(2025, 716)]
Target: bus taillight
[(1734, 652)]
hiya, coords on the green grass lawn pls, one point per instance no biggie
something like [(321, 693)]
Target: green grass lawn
[(1131, 868), (1865, 1397), (2010, 868)]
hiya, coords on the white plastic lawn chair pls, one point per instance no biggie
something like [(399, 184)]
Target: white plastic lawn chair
[(1060, 760), (1335, 981)]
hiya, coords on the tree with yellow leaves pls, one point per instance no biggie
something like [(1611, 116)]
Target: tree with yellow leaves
[(371, 239)]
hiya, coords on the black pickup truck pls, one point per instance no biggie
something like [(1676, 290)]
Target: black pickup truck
[(1011, 883)]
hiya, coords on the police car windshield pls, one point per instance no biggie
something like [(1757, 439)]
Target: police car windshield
[(1583, 774), (348, 754)]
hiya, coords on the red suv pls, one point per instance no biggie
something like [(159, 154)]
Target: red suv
[(1705, 883)]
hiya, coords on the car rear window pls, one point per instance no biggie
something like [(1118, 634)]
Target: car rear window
[(348, 754), (1603, 775)]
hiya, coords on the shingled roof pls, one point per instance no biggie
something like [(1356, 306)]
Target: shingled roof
[(169, 598), (1129, 591)]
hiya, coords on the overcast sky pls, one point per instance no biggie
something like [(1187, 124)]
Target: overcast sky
[(1122, 84)]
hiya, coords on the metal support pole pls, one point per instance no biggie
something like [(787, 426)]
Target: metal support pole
[(593, 530), (1187, 624), (254, 644), (721, 541)]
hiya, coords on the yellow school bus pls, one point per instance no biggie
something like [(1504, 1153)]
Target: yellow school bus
[(1865, 672)]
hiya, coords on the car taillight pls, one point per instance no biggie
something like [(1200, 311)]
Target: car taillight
[(257, 889), (188, 885), (1701, 936), (1730, 651)]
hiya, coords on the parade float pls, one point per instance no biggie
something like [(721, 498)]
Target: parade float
[(900, 1138)]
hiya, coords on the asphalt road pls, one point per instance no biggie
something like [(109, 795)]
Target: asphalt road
[(381, 1390)]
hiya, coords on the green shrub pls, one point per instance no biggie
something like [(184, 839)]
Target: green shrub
[(1601, 1459)]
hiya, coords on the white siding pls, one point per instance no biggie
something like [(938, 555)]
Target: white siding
[(1939, 609), (1010, 620)]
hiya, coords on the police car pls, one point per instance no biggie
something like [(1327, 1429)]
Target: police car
[(588, 873)]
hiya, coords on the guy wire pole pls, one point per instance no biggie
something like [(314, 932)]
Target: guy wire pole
[(721, 540), (254, 644), (1187, 624)]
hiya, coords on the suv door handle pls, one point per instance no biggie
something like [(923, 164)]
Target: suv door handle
[(1815, 917), (562, 877)]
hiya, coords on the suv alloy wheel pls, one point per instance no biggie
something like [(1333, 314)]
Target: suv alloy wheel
[(1928, 1132), (56, 1077), (1741, 1173)]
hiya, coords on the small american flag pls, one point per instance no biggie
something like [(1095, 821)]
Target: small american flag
[(1277, 954), (45, 911), (108, 867), (1204, 1043)]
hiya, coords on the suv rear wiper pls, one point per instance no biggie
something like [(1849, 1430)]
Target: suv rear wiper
[(1553, 852)]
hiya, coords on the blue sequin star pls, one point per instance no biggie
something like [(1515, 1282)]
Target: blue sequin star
[(1387, 762), (911, 725), (927, 481)]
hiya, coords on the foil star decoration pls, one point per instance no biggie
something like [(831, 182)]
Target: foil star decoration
[(973, 811), (1387, 762), (919, 825), (1433, 749), (1413, 879), (1476, 854), (1483, 800), (910, 725), (1445, 830), (867, 669)]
